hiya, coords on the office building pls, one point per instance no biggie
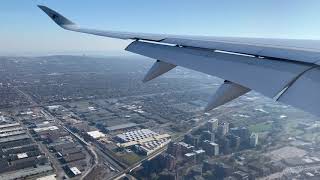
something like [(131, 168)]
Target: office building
[(212, 125), (254, 139), (207, 135), (211, 148), (223, 129)]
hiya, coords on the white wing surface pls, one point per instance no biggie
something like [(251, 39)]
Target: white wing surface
[(284, 69)]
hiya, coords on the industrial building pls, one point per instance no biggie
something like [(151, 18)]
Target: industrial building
[(69, 152), (151, 146), (135, 135), (146, 141), (74, 157), (121, 127), (20, 156), (24, 173), (96, 134), (48, 128)]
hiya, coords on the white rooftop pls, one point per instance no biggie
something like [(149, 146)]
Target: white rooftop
[(190, 154), (26, 113), (199, 151), (136, 135), (53, 107), (91, 108), (213, 144), (75, 171), (96, 134), (51, 128), (22, 155), (9, 125), (49, 177)]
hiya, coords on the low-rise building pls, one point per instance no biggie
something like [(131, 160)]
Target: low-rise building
[(121, 127), (96, 134), (152, 146), (145, 140), (135, 135), (48, 128), (75, 171)]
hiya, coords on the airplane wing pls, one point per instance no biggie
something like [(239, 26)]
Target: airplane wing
[(283, 69)]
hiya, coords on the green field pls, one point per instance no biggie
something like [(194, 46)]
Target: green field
[(260, 127), (129, 158)]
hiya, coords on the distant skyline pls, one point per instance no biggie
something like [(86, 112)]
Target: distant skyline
[(25, 30)]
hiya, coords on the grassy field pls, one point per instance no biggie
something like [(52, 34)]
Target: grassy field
[(129, 158), (260, 127)]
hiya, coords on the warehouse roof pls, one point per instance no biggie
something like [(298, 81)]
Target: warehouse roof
[(96, 134), (121, 126), (75, 171)]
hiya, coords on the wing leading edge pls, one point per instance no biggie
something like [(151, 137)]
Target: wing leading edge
[(286, 70)]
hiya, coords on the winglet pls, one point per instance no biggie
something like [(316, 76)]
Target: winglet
[(57, 18)]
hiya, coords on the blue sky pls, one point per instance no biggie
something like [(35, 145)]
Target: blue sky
[(25, 30)]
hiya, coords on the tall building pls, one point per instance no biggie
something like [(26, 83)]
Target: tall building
[(193, 140), (207, 135), (188, 138), (234, 141), (200, 155), (185, 148), (170, 162), (208, 165), (174, 149), (254, 139), (212, 125), (225, 144), (167, 175), (223, 129), (243, 133), (211, 148), (220, 170)]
